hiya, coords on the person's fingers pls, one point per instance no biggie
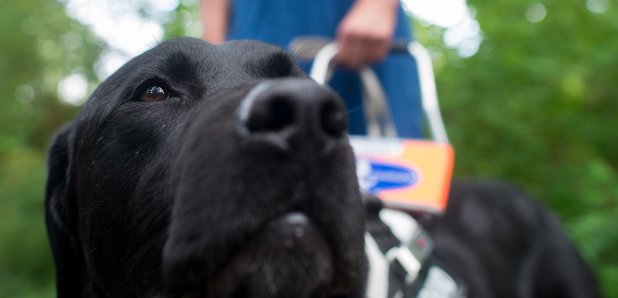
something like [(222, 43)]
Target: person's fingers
[(355, 52), (351, 54), (371, 49), (376, 49), (364, 35), (360, 46)]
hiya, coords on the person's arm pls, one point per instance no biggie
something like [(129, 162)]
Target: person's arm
[(214, 16), (366, 32)]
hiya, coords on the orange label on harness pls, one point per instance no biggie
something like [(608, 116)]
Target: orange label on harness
[(409, 174)]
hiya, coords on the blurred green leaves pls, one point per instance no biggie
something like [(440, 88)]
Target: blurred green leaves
[(538, 105), (25, 258), (40, 46)]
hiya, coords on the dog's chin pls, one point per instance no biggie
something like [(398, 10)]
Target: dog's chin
[(289, 257)]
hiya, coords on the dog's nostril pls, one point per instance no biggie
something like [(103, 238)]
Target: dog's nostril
[(333, 119), (272, 116), (292, 115)]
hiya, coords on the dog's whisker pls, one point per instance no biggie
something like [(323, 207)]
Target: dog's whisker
[(353, 110)]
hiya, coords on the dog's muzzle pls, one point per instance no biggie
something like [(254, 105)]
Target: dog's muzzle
[(268, 200)]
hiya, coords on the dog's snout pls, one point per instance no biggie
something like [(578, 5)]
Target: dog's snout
[(295, 115)]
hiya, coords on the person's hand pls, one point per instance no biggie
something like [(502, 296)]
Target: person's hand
[(365, 33), (214, 19)]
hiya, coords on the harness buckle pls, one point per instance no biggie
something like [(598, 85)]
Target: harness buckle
[(407, 260)]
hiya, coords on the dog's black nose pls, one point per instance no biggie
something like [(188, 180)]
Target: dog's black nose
[(293, 115)]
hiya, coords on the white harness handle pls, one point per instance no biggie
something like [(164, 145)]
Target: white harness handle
[(379, 120)]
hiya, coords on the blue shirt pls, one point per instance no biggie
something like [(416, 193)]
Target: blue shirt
[(280, 21)]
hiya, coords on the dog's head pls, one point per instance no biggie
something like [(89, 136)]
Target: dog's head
[(206, 171)]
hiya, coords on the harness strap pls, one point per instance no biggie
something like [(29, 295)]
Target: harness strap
[(393, 265), (399, 252)]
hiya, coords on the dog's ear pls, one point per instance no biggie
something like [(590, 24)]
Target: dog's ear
[(61, 218)]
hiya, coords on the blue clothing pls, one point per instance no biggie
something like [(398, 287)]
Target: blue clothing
[(280, 21)]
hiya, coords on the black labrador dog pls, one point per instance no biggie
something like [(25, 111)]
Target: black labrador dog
[(223, 171), (207, 171)]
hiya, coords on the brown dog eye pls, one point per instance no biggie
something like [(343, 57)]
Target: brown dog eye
[(154, 93)]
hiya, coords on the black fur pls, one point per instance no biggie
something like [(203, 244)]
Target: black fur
[(503, 243)]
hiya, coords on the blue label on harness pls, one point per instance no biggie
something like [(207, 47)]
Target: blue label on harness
[(376, 176)]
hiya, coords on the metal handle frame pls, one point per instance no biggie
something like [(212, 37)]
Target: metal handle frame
[(379, 120)]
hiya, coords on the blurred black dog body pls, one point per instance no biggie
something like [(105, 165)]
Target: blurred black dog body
[(222, 171), (502, 243)]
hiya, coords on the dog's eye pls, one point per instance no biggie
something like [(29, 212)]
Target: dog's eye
[(154, 93)]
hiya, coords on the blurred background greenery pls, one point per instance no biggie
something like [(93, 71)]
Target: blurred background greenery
[(529, 95)]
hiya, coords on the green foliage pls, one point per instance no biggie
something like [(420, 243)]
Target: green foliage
[(25, 258), (40, 46), (537, 106), (184, 20)]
